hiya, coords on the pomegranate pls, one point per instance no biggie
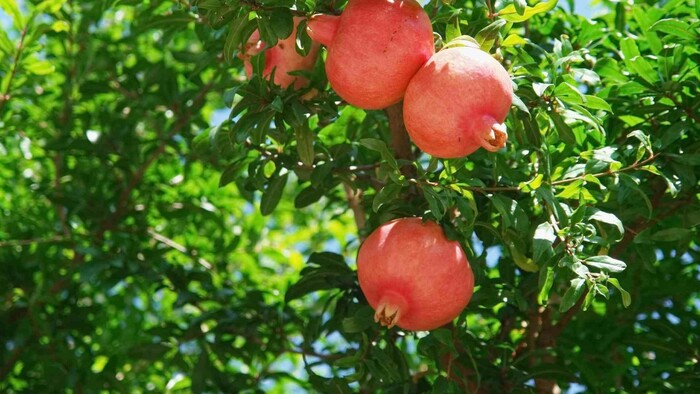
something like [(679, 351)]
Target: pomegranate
[(457, 102), (282, 58), (374, 48), (413, 276)]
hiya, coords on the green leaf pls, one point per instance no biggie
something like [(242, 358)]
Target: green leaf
[(305, 144), (568, 93), (636, 63), (542, 241), (273, 194), (379, 146), (437, 207), (511, 14), (573, 294), (606, 263), (40, 67), (488, 35), (609, 218), (6, 46), (307, 197), (572, 191), (231, 173), (360, 321), (546, 280), (282, 22), (672, 235), (564, 130), (541, 88), (595, 102), (626, 299), (676, 28), (240, 30), (324, 271), (269, 168), (444, 337), (303, 41), (388, 193), (452, 30), (512, 40), (11, 8)]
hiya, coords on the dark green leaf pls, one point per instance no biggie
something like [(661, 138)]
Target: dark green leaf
[(273, 194), (672, 235), (305, 145), (386, 194), (676, 28), (281, 22), (573, 294), (606, 263), (626, 299), (489, 34)]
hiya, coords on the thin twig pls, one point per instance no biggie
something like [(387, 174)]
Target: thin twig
[(23, 242), (5, 97), (687, 111), (180, 248), (608, 172), (125, 195), (255, 6)]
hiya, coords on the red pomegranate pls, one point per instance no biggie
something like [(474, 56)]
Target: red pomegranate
[(457, 102), (374, 48), (413, 276), (283, 58)]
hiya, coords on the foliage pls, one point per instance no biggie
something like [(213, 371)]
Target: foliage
[(143, 248)]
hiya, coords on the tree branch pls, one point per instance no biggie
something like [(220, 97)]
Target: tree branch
[(22, 242), (180, 248), (400, 143), (125, 195), (355, 204)]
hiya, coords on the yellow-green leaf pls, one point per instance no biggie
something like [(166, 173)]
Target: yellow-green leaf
[(510, 13), (11, 8), (513, 40), (41, 67)]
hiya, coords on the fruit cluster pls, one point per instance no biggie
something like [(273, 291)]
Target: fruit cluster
[(380, 52)]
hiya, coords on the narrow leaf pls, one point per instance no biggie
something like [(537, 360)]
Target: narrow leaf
[(546, 280), (626, 299), (273, 194), (572, 294), (305, 144), (12, 9), (606, 263), (511, 14), (611, 219), (675, 27)]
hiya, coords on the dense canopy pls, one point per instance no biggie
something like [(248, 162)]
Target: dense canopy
[(169, 225)]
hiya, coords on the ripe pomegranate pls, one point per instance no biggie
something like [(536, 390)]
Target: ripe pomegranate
[(457, 102), (283, 58), (374, 48), (413, 276)]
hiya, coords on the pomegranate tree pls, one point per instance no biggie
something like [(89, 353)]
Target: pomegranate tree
[(374, 48), (413, 276), (282, 58), (457, 102)]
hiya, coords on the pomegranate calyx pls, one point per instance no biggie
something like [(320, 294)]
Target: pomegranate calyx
[(387, 315), (392, 306), (494, 138)]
